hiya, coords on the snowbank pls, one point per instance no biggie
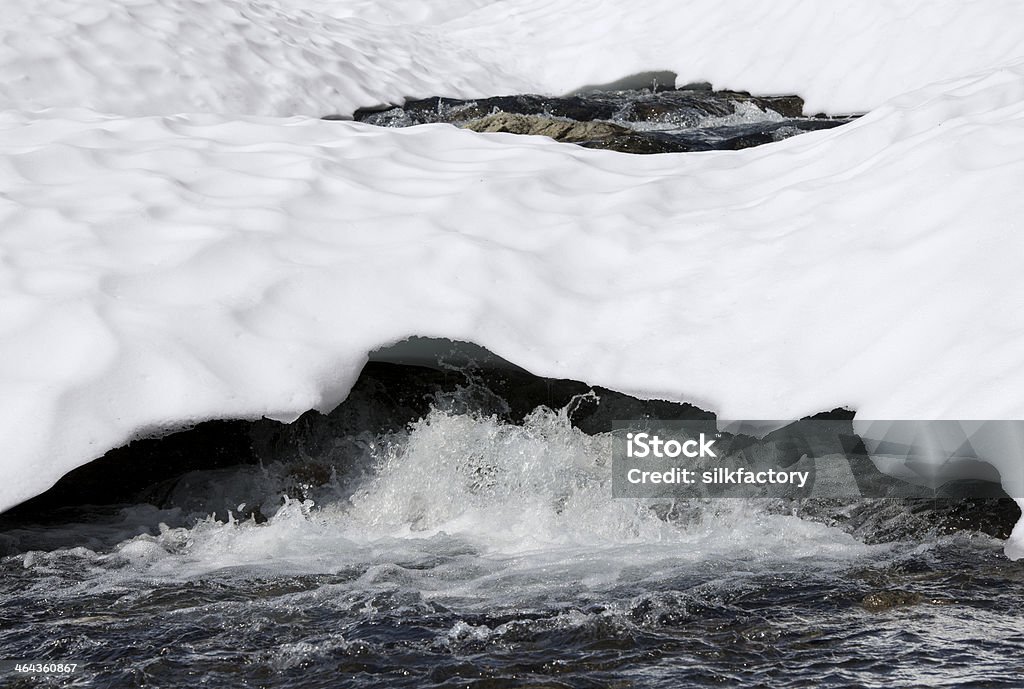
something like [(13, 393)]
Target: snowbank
[(313, 57), (167, 269), (160, 270)]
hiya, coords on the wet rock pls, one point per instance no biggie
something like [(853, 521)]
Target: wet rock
[(642, 143), (886, 600), (657, 80), (559, 130), (787, 106), (310, 473), (144, 466), (884, 520), (697, 86), (582, 109), (993, 516), (682, 108), (451, 110), (880, 601)]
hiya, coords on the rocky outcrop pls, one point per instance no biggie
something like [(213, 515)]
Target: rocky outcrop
[(656, 120)]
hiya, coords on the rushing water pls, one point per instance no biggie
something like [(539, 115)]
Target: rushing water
[(465, 551)]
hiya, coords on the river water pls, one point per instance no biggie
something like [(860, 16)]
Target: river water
[(465, 551)]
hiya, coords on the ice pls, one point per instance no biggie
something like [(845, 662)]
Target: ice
[(159, 268)]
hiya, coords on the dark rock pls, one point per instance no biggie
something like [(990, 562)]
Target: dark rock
[(660, 80), (994, 516), (559, 130), (583, 109), (682, 108), (883, 520), (787, 106), (643, 143), (125, 473)]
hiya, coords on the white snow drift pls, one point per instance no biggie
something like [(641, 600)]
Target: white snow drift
[(314, 57), (159, 270)]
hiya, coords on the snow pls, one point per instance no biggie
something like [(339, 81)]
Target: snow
[(159, 268), (314, 57)]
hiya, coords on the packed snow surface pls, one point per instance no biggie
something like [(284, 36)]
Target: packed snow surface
[(313, 57), (159, 268)]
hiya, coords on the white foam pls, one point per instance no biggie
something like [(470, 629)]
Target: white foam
[(466, 506), (746, 113)]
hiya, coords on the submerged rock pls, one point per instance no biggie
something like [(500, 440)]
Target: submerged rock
[(886, 600), (880, 601), (559, 130)]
